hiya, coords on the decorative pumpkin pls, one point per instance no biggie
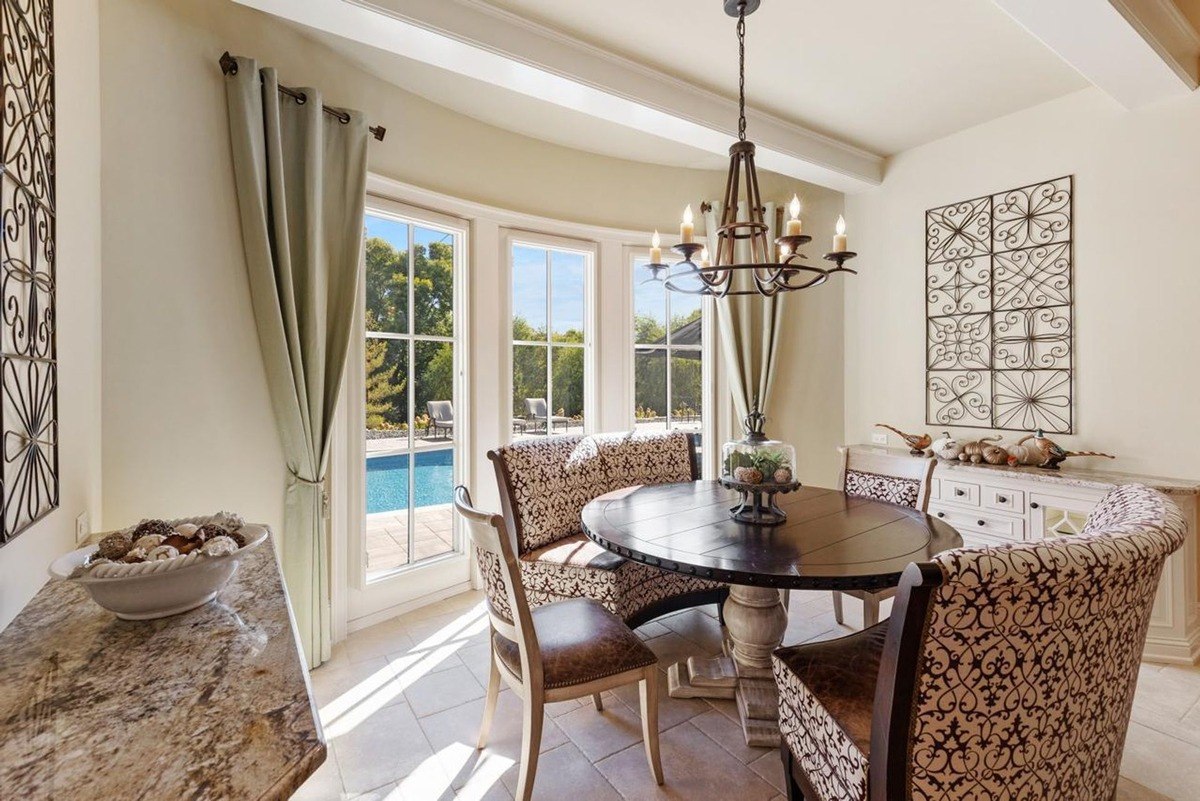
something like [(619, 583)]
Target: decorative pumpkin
[(973, 451)]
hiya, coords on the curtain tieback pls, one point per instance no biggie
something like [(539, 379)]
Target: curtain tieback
[(299, 479)]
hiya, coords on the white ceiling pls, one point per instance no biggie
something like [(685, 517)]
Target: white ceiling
[(883, 75), (514, 111)]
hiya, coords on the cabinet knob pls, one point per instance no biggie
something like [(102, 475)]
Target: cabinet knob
[(941, 514), (959, 492), (1033, 505), (982, 522), (1002, 498)]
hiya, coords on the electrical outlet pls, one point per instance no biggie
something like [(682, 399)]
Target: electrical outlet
[(879, 438), (83, 528)]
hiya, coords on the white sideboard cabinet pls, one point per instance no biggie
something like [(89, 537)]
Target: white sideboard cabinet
[(995, 505)]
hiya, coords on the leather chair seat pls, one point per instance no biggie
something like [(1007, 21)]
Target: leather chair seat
[(842, 674), (580, 641), (826, 697)]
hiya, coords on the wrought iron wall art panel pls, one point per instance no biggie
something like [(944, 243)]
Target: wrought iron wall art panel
[(29, 486), (998, 305)]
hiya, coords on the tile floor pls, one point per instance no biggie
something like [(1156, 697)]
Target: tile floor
[(401, 703)]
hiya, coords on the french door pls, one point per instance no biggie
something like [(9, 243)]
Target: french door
[(407, 411)]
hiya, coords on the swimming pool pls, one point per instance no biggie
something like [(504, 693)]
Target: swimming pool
[(387, 480)]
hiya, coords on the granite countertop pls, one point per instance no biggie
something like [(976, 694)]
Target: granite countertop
[(1064, 476), (210, 704)]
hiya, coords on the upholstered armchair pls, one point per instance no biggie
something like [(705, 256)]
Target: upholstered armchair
[(1005, 672), (901, 480), (544, 485)]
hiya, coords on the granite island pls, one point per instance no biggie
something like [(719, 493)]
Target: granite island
[(210, 704)]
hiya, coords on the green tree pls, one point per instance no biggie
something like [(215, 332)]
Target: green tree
[(385, 397)]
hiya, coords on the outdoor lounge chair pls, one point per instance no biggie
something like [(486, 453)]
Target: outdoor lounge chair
[(536, 411), (441, 416)]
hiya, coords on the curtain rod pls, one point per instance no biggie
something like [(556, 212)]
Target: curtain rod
[(229, 67)]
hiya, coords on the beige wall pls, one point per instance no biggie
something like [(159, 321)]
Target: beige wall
[(1137, 247), (187, 425), (23, 561)]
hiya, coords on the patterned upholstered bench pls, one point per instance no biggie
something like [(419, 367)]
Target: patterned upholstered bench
[(544, 485)]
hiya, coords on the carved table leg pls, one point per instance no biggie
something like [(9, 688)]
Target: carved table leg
[(755, 620)]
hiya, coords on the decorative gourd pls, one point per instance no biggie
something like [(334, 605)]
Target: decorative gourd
[(973, 451)]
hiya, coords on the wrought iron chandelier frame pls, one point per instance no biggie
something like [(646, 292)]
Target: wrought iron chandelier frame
[(789, 272)]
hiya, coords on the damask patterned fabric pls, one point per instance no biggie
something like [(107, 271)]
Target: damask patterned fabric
[(1027, 670), (891, 489), (1031, 655), (553, 478), (491, 570), (624, 591)]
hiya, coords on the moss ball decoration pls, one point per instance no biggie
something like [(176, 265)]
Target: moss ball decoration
[(152, 527), (237, 537), (783, 476), (115, 546)]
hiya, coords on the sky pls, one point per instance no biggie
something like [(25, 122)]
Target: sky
[(529, 280)]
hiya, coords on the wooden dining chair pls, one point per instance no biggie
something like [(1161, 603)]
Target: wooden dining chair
[(557, 652), (902, 480), (1006, 671)]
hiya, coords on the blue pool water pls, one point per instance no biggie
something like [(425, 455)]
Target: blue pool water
[(387, 480)]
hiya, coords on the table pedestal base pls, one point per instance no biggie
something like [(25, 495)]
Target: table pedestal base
[(756, 621)]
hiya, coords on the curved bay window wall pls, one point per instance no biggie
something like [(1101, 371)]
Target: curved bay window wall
[(411, 392), (549, 302)]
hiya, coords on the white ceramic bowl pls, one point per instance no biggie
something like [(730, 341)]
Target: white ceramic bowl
[(154, 595)]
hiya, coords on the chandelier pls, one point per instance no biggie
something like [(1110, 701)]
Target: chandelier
[(773, 269)]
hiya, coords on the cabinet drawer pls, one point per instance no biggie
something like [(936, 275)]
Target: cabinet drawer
[(1004, 500), (962, 492), (935, 489), (971, 524)]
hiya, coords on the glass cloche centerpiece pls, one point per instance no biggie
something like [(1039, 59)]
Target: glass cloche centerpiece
[(759, 469)]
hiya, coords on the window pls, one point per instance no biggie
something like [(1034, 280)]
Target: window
[(411, 391), (549, 336), (668, 358)]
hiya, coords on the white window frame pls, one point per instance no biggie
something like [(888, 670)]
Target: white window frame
[(405, 584), (709, 412), (589, 251)]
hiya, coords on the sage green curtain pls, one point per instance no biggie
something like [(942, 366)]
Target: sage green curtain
[(748, 325), (301, 184)]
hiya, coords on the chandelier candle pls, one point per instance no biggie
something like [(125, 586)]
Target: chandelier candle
[(794, 226), (687, 229), (655, 249), (839, 239)]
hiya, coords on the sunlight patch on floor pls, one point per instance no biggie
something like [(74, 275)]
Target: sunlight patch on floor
[(348, 710)]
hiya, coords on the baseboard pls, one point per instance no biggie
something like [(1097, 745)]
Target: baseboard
[(408, 606), (1173, 651)]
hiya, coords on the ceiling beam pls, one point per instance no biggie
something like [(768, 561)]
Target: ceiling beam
[(493, 46), (1137, 51)]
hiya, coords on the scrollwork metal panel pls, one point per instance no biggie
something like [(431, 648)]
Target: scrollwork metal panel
[(999, 312), (29, 487)]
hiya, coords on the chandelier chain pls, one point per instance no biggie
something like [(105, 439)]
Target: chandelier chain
[(741, 35)]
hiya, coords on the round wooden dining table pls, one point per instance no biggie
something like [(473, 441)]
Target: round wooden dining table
[(830, 541)]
